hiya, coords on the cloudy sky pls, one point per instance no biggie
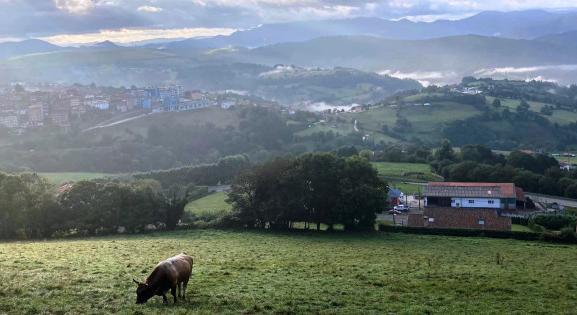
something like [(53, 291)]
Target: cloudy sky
[(77, 21)]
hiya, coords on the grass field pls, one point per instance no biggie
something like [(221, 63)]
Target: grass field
[(410, 189), (570, 159), (408, 171), (211, 206), (250, 273), (60, 178)]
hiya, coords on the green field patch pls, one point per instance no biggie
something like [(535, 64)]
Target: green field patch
[(407, 188), (408, 171), (209, 207), (563, 117), (301, 273)]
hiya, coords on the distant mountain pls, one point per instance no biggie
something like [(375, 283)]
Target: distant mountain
[(438, 60), (518, 25), (31, 46), (457, 53)]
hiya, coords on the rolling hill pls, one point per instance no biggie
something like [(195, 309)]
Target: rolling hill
[(32, 46), (458, 53)]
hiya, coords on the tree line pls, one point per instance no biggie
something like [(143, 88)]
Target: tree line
[(315, 188), (538, 173), (30, 207)]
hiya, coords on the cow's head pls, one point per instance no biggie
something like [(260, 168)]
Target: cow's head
[(143, 292)]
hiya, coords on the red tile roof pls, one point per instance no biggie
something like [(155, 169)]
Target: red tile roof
[(480, 190)]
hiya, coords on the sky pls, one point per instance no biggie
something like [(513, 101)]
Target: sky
[(85, 21)]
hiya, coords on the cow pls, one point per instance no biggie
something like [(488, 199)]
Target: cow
[(170, 274)]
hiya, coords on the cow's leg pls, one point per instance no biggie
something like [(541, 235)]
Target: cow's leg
[(173, 292), (178, 289), (164, 298), (184, 284)]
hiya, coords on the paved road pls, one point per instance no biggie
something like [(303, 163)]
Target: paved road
[(551, 199)]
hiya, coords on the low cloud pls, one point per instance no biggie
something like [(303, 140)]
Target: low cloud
[(125, 36), (423, 77)]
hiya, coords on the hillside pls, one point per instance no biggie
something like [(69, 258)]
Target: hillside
[(460, 54), (119, 66), (300, 273)]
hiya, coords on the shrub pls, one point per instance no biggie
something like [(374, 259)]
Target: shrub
[(554, 221)]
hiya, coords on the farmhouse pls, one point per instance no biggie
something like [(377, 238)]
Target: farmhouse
[(468, 205)]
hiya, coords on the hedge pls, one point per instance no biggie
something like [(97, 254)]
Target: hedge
[(566, 237)]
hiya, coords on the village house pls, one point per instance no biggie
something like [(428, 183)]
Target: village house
[(455, 205)]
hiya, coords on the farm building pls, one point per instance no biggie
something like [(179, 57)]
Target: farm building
[(395, 197), (468, 205)]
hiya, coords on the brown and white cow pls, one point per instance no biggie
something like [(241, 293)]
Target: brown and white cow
[(170, 274)]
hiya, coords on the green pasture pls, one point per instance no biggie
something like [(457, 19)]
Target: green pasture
[(299, 273)]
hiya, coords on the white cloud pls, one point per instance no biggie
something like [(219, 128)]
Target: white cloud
[(124, 36), (149, 9), (74, 6)]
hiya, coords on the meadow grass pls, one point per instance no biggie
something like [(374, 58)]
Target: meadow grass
[(408, 171), (566, 159), (320, 273)]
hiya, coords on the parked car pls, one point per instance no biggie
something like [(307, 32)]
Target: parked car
[(393, 211), (401, 208)]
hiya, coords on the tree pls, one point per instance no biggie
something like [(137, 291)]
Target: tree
[(445, 152), (366, 154), (496, 103), (523, 107), (362, 195), (175, 200), (319, 188)]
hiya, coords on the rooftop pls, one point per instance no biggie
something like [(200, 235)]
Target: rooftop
[(477, 190)]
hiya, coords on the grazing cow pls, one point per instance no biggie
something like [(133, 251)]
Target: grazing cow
[(167, 275)]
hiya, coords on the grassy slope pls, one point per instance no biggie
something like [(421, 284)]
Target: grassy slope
[(275, 273), (210, 205), (562, 117), (408, 171), (216, 116), (427, 122)]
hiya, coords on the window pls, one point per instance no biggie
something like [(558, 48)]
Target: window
[(471, 201), (481, 221), (431, 220)]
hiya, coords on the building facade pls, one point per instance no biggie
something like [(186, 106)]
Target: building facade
[(453, 205)]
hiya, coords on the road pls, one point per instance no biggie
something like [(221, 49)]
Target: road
[(115, 123), (552, 199)]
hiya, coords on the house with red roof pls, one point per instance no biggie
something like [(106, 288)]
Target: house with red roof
[(468, 205)]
